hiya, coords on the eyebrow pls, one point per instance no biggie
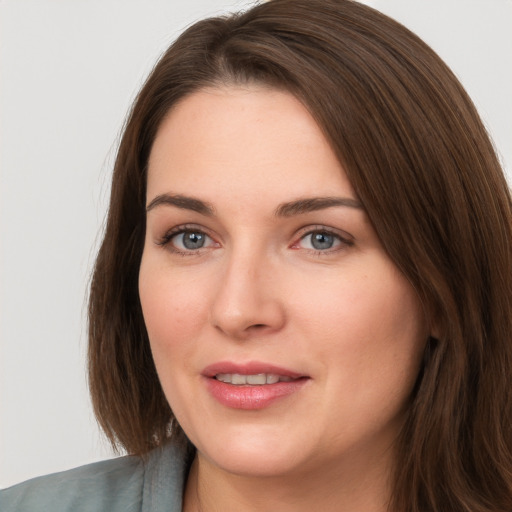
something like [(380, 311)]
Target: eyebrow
[(183, 202), (297, 207), (301, 206)]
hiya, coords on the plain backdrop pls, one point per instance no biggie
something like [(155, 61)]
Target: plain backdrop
[(68, 73)]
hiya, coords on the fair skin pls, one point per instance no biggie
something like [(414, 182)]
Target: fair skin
[(239, 276)]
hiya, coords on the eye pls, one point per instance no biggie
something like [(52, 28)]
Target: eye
[(322, 240), (184, 240), (190, 240)]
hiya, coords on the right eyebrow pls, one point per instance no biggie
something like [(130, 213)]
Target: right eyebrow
[(183, 202)]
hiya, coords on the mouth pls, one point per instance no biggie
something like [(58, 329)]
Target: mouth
[(251, 386), (252, 373), (258, 379)]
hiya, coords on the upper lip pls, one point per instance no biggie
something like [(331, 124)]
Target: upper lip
[(248, 368)]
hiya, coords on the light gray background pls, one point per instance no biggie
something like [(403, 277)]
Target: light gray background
[(68, 72)]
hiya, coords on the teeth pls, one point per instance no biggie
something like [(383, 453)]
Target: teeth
[(259, 379), (238, 380)]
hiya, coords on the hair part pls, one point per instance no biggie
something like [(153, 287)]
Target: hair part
[(424, 168)]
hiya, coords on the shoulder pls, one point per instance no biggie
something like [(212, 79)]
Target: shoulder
[(113, 485), (126, 484)]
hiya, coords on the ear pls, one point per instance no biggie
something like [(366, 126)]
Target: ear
[(434, 323), (435, 332), (430, 347)]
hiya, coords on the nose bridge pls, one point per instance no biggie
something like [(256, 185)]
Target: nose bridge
[(245, 300)]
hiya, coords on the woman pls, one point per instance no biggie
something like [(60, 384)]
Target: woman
[(303, 294)]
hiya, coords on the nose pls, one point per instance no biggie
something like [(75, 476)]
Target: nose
[(247, 301)]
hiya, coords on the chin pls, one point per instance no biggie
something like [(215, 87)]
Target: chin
[(262, 464), (253, 453)]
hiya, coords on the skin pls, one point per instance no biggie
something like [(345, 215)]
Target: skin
[(259, 290)]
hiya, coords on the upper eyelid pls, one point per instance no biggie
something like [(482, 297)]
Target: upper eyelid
[(177, 230), (344, 235), (183, 228)]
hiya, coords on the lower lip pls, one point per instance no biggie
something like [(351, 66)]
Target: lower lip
[(252, 397)]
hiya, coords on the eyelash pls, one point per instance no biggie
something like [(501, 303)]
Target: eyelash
[(344, 241), (165, 241)]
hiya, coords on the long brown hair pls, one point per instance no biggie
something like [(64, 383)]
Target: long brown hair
[(422, 164)]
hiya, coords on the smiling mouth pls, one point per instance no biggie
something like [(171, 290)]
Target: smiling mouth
[(251, 386), (259, 379)]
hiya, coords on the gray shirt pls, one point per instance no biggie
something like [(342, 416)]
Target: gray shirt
[(126, 484)]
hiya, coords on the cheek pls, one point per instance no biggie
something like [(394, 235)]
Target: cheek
[(169, 300), (172, 307), (171, 310), (371, 325), (369, 342)]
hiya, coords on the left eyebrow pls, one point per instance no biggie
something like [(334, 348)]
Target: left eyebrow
[(312, 204)]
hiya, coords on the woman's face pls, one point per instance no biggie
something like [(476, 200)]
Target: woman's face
[(284, 337)]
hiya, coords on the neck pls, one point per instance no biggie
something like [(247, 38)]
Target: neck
[(355, 486)]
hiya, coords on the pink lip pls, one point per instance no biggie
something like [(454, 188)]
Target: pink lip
[(250, 397), (249, 368)]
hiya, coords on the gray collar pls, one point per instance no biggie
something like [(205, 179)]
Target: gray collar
[(164, 478)]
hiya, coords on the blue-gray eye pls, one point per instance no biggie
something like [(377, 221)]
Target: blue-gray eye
[(193, 240), (190, 240), (320, 241)]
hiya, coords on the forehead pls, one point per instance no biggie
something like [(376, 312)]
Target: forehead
[(243, 139)]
